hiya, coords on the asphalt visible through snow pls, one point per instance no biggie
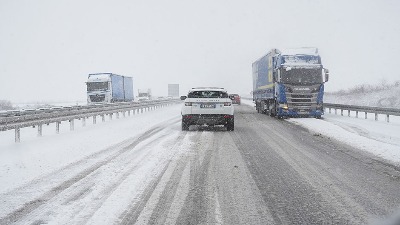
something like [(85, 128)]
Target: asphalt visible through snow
[(267, 171)]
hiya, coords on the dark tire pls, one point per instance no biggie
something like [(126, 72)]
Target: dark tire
[(272, 112), (185, 126), (318, 117), (230, 125)]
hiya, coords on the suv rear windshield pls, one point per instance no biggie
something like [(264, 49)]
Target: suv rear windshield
[(207, 94)]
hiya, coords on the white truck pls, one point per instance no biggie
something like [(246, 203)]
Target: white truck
[(109, 87), (144, 94)]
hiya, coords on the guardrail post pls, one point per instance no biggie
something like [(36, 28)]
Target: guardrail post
[(141, 110), (366, 115), (348, 113), (376, 116), (329, 110), (117, 113), (341, 112), (103, 118), (335, 111), (83, 121), (17, 135), (129, 112), (134, 111), (387, 118), (110, 116), (356, 114), (71, 125), (94, 119), (39, 127), (58, 127), (123, 113)]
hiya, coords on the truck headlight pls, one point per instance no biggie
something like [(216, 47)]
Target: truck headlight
[(284, 106)]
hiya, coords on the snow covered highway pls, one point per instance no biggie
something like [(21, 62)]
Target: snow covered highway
[(144, 170)]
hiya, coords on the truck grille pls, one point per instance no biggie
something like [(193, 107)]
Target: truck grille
[(97, 98), (300, 101)]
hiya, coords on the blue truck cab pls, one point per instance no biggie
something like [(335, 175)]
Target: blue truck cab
[(290, 83)]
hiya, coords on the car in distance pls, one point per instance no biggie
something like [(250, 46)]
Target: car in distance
[(207, 106), (235, 98)]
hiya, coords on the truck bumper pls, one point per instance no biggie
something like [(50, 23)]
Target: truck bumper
[(302, 113)]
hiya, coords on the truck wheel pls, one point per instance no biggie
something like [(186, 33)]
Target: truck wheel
[(272, 111), (185, 126), (231, 125)]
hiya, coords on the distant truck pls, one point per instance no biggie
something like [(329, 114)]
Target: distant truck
[(144, 94), (289, 83), (109, 87)]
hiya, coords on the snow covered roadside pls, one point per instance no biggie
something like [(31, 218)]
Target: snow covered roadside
[(37, 156), (377, 137)]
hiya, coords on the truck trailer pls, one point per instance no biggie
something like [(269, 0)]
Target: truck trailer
[(109, 87), (289, 83)]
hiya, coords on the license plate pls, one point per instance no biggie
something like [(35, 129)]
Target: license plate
[(207, 106)]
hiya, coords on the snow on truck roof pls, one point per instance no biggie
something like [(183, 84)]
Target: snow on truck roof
[(300, 51), (99, 77)]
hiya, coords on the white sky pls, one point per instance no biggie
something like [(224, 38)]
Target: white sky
[(48, 47)]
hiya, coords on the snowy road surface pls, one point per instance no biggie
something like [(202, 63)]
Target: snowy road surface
[(267, 171)]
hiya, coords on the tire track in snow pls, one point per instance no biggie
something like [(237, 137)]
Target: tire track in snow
[(145, 205)]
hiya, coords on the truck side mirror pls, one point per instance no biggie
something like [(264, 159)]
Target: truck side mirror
[(183, 97), (326, 75)]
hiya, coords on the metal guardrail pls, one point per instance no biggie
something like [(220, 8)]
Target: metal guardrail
[(39, 118), (366, 109)]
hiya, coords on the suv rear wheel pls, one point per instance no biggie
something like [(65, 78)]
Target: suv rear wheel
[(185, 126), (230, 126)]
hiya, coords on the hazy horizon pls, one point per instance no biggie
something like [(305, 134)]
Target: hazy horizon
[(49, 47)]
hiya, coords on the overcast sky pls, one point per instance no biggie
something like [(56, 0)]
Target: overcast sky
[(47, 47)]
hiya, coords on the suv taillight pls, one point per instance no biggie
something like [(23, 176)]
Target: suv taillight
[(227, 104), (188, 104)]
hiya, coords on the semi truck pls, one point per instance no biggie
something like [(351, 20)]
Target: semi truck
[(289, 83), (109, 87)]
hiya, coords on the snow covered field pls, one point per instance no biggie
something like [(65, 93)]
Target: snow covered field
[(388, 98)]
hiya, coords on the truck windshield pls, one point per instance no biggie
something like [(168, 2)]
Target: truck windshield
[(302, 76), (207, 94), (97, 86), (309, 59)]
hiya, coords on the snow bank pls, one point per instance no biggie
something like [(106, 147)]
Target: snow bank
[(377, 137)]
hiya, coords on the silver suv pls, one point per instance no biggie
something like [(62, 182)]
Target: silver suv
[(207, 106)]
